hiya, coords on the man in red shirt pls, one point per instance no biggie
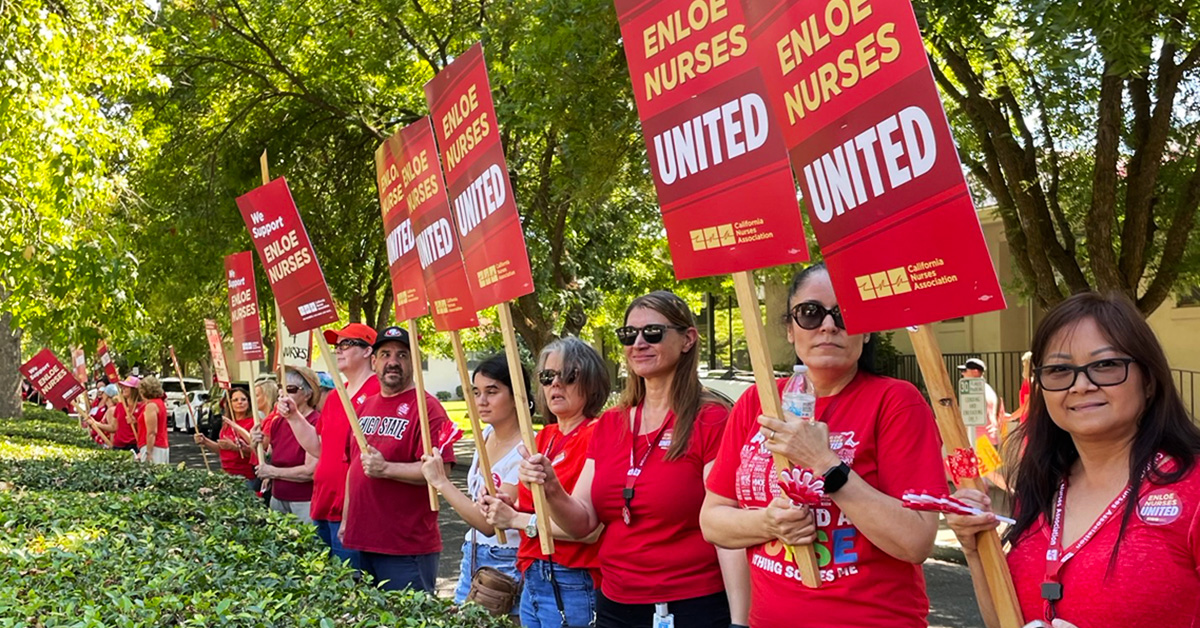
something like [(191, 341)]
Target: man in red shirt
[(386, 515), (332, 433)]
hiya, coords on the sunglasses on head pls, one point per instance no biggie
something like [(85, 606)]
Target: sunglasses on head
[(810, 315), (546, 376), (652, 333)]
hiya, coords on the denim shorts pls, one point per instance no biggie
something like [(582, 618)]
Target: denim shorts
[(502, 558), (538, 608)]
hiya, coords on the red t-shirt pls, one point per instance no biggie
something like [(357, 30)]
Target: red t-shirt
[(885, 431), (1155, 581), (567, 453), (286, 452), (124, 436), (662, 555), (329, 480), (231, 460), (160, 438), (387, 516), (97, 413)]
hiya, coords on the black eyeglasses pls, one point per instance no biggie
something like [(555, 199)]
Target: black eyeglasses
[(653, 333), (1106, 372), (809, 315), (546, 376), (350, 343)]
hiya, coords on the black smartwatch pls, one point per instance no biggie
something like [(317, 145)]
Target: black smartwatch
[(836, 478)]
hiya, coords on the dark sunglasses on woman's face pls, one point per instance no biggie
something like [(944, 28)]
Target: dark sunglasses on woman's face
[(653, 333), (350, 344), (810, 315), (291, 390), (546, 376)]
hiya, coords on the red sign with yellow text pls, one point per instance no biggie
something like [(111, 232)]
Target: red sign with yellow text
[(288, 256), (436, 244), (481, 196), (216, 349), (717, 157), (110, 369), (51, 379), (243, 307), (850, 84), (395, 176)]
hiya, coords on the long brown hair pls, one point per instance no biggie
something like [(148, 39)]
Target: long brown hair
[(687, 394)]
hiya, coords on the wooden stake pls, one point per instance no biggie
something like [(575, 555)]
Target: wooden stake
[(258, 449), (768, 394), (954, 436), (525, 420), (485, 463), (414, 351), (191, 412), (351, 415), (266, 178)]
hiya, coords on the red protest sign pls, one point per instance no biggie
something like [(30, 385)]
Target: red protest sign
[(436, 244), (485, 212), (849, 81), (80, 364), (217, 351), (287, 256), (51, 379), (399, 188), (243, 307), (110, 369), (717, 157)]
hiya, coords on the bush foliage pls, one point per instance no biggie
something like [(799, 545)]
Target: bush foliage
[(92, 539)]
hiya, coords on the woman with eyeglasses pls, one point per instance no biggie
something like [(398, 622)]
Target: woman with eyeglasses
[(236, 454), (873, 439), (644, 479), (291, 468), (493, 390), (559, 590), (1107, 495)]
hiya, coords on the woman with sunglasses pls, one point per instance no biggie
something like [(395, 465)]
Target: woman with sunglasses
[(1107, 494), (237, 455), (644, 479), (493, 390), (291, 468), (873, 439), (559, 590)]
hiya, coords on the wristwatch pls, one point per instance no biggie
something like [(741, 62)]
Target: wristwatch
[(836, 478), (531, 527)]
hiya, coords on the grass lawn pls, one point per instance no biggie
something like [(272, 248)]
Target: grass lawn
[(457, 410)]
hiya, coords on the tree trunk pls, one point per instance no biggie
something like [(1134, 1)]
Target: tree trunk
[(10, 363)]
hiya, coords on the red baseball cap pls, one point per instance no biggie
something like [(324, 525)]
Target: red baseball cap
[(354, 331)]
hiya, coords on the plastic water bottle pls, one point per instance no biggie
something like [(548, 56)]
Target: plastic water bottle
[(799, 402)]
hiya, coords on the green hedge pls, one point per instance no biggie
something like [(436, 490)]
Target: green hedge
[(92, 539)]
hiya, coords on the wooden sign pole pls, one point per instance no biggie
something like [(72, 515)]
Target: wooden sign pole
[(485, 463), (336, 376), (258, 449), (81, 407), (768, 394), (954, 436), (191, 412), (414, 351), (266, 178), (525, 420)]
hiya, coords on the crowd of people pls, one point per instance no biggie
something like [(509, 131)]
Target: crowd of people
[(665, 509)]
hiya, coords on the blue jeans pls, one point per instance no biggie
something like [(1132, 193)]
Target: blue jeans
[(393, 573), (502, 558), (328, 531), (538, 608)]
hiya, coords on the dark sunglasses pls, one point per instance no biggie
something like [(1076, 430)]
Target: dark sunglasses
[(291, 390), (1106, 372), (350, 343), (810, 315), (546, 376), (653, 333)]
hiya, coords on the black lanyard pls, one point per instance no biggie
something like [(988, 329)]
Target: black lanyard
[(635, 471)]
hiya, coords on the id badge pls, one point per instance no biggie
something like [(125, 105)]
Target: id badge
[(663, 619)]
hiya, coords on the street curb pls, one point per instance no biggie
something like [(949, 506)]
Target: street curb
[(950, 553)]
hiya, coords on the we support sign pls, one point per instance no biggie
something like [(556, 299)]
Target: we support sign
[(243, 307), (849, 81), (485, 212), (436, 242), (287, 256), (217, 351), (718, 159), (396, 176), (51, 379)]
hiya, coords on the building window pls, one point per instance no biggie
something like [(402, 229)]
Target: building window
[(1188, 296)]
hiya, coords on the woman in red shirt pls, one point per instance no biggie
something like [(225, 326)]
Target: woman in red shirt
[(237, 456), (127, 411), (873, 439), (1107, 494), (103, 418), (152, 423), (291, 468), (644, 479), (559, 590)]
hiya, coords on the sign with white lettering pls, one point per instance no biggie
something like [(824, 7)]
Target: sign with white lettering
[(403, 184), (717, 157), (485, 212), (110, 369), (51, 379), (849, 83), (243, 307)]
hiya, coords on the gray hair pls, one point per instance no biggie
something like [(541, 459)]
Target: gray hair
[(591, 373)]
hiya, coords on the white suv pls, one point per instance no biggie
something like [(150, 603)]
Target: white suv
[(177, 391)]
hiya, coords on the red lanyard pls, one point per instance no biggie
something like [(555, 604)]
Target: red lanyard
[(635, 471)]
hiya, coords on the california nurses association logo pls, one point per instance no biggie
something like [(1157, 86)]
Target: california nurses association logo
[(1160, 507)]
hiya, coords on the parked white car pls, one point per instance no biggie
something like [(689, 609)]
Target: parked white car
[(181, 419), (177, 391)]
